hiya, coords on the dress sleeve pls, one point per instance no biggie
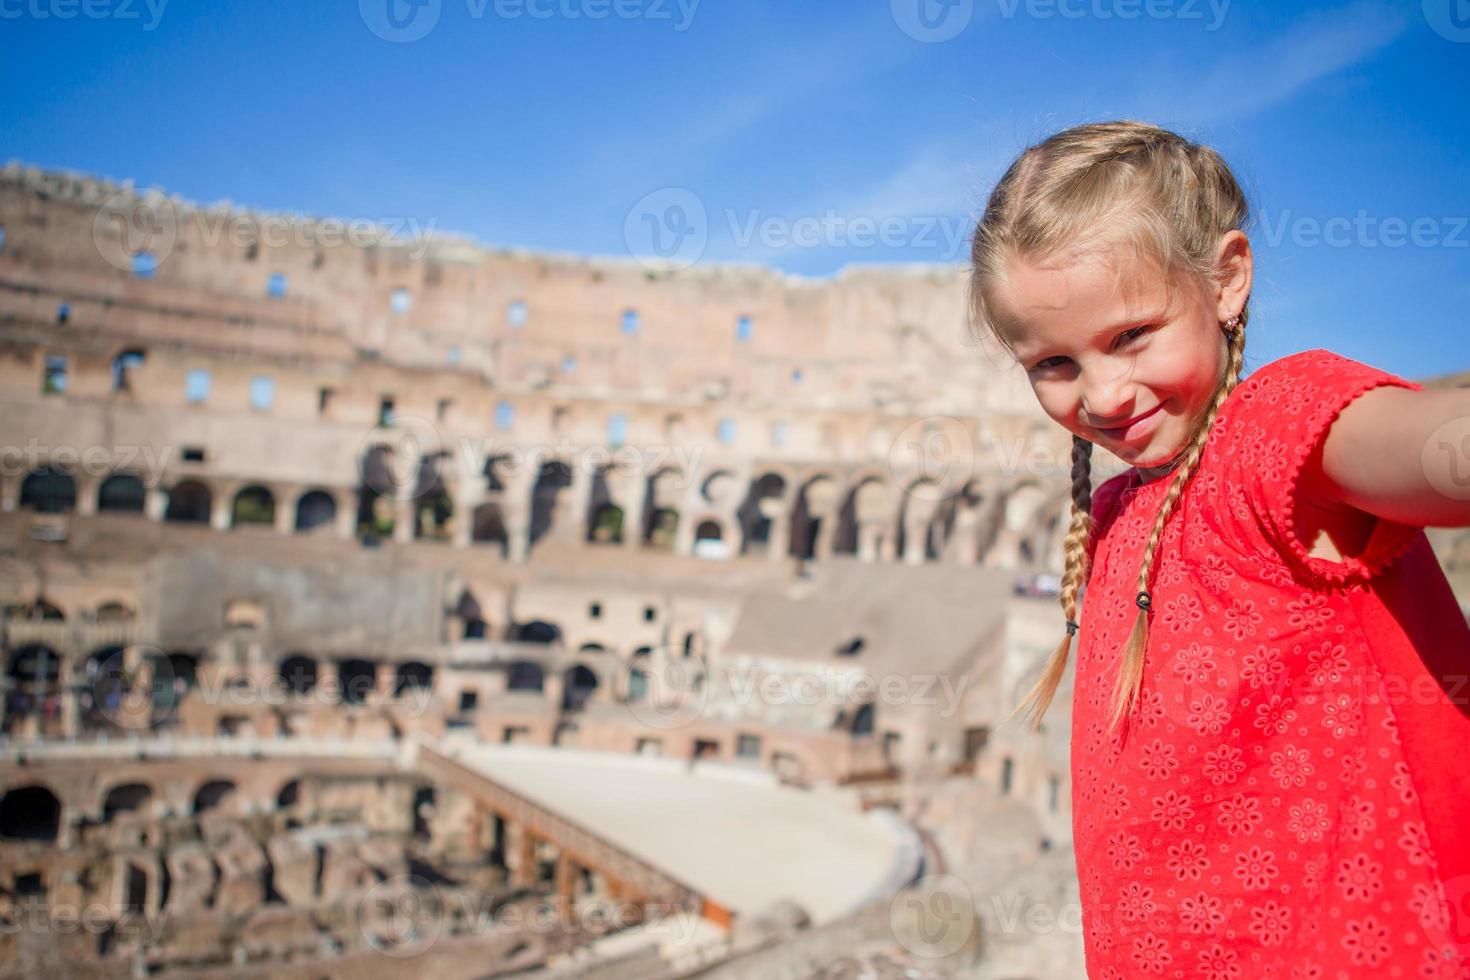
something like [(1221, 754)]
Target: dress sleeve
[(1104, 509), (1273, 422)]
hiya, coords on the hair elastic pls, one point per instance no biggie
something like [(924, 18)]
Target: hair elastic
[(1144, 602), (1071, 628)]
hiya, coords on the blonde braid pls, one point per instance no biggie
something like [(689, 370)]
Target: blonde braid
[(1129, 688), (1075, 548)]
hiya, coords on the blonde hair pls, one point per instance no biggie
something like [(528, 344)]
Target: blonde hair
[(1145, 190)]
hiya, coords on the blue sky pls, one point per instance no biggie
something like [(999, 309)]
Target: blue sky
[(802, 135)]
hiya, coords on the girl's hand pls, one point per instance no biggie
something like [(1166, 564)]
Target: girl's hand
[(1400, 454)]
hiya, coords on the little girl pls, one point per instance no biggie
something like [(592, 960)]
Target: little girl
[(1270, 695)]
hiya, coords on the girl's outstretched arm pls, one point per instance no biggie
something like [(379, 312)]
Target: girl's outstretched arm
[(1400, 454)]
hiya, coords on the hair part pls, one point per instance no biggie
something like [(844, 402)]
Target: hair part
[(1154, 196)]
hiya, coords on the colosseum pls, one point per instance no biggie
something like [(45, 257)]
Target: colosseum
[(379, 602)]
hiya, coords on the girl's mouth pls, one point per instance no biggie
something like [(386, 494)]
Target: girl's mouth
[(1136, 429)]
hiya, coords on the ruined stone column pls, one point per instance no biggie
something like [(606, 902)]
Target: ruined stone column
[(285, 515), (520, 855), (404, 512), (87, 487), (566, 878), (219, 508)]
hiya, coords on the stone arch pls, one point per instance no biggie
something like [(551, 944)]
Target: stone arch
[(918, 540), (412, 676), (709, 539), (579, 683), (487, 526), (661, 503), (718, 489), (212, 795), (604, 514), (816, 502), (866, 514), (253, 505), (122, 493), (357, 679), (554, 477), (471, 616), (299, 674), (525, 675), (189, 502), (433, 500), (538, 631), (763, 505), (48, 490), (114, 611), (316, 510), (30, 813), (126, 798), (377, 492)]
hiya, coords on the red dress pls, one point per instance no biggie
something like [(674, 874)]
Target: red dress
[(1292, 800)]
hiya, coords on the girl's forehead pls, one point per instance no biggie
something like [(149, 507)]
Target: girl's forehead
[(1072, 292)]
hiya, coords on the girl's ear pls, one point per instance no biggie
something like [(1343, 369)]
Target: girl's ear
[(1234, 265)]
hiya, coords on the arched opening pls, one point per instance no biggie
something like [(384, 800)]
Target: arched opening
[(579, 683), (814, 505), (607, 525), (469, 613), (487, 526), (316, 509), (523, 675), (709, 541), (30, 813), (538, 632), (433, 504), (289, 796), (758, 512), (253, 505), (413, 677), (299, 674), (113, 612), (212, 794), (34, 672), (863, 719), (122, 493), (358, 679), (553, 478), (375, 494), (663, 528), (127, 798), (189, 502), (123, 367), (48, 490)]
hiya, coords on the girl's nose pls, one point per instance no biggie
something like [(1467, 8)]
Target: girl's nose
[(1107, 405)]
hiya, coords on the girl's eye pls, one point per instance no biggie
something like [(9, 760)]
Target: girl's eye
[(1128, 335), (1042, 365)]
